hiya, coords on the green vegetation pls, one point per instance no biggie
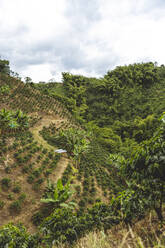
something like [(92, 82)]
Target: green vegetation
[(12, 120), (17, 237), (4, 67), (57, 196), (6, 183), (113, 130)]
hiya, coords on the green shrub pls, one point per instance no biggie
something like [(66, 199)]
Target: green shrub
[(58, 227), (37, 218), (30, 178), (6, 183), (17, 237), (15, 207), (10, 197), (22, 197), (17, 189)]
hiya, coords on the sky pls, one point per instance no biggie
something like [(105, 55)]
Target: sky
[(43, 38)]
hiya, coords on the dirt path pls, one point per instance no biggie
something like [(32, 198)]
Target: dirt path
[(61, 166), (45, 121)]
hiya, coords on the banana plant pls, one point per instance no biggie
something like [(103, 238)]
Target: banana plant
[(5, 117), (58, 195)]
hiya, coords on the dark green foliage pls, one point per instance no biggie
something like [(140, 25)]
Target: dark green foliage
[(4, 67), (63, 225), (145, 172), (144, 74), (17, 188), (6, 183), (15, 207), (122, 107), (37, 218), (116, 95)]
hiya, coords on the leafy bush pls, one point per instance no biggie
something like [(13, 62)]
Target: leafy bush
[(6, 183), (17, 237), (15, 207), (145, 171), (17, 189), (64, 225)]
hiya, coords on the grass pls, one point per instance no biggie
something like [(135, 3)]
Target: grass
[(128, 239)]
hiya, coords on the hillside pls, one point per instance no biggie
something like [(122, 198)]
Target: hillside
[(112, 172), (27, 160)]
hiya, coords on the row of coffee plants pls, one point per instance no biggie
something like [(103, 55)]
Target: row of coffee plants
[(28, 99), (93, 174), (28, 158), (12, 195)]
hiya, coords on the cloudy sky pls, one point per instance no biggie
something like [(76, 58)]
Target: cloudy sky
[(42, 38)]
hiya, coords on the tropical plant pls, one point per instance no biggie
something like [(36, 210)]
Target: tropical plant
[(58, 195), (13, 120), (145, 170), (4, 90)]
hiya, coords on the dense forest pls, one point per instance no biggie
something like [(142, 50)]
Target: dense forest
[(113, 170)]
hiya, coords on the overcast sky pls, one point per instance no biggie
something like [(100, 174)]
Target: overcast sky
[(42, 38)]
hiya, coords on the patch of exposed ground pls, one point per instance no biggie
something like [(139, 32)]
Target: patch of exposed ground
[(32, 202), (45, 122)]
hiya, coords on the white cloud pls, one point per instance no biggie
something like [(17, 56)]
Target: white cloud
[(43, 38)]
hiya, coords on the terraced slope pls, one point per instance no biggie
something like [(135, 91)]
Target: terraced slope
[(27, 160)]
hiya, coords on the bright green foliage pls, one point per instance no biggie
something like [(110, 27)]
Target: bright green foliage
[(58, 195), (73, 140), (13, 120), (129, 204), (108, 139), (4, 90), (16, 237)]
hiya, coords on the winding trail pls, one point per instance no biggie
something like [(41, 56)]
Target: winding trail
[(61, 166), (44, 122)]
